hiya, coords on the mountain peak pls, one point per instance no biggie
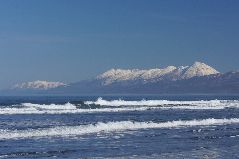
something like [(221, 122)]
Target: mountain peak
[(41, 85), (199, 69)]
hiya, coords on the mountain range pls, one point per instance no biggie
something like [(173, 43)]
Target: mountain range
[(197, 78)]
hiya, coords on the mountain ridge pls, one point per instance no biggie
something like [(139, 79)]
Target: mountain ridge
[(197, 78), (169, 73), (38, 84)]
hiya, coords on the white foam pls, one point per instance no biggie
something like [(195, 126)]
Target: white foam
[(201, 103), (118, 106), (33, 110), (67, 106), (64, 131)]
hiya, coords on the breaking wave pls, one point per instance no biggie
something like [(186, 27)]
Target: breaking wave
[(101, 105), (67, 106), (33, 110), (201, 103), (64, 131)]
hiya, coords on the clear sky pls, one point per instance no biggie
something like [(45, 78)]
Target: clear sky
[(71, 40)]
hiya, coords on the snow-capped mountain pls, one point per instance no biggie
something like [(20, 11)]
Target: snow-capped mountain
[(198, 69), (152, 75), (42, 85), (197, 78)]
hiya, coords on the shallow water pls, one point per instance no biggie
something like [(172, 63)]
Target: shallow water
[(119, 127)]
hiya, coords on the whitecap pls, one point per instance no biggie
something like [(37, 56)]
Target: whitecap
[(118, 106), (65, 131), (176, 104)]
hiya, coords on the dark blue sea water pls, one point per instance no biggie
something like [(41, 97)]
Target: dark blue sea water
[(119, 127)]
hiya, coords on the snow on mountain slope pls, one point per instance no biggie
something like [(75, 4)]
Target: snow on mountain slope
[(43, 85), (168, 73), (199, 69), (115, 75)]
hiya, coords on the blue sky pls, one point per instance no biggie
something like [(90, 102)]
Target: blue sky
[(71, 40)]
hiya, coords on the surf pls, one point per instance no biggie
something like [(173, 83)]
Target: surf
[(115, 126)]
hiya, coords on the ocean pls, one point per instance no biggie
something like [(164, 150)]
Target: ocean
[(126, 126)]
